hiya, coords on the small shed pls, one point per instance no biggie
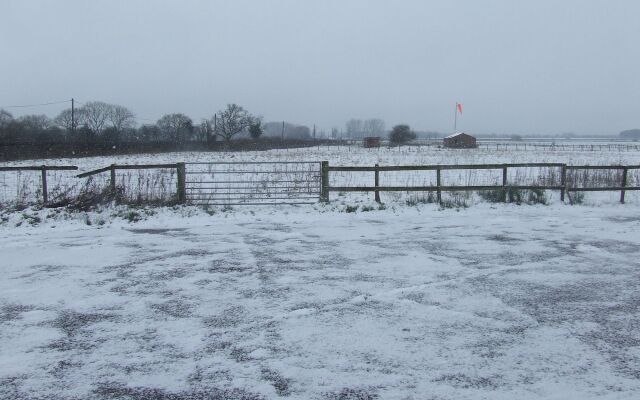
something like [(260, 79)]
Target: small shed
[(371, 141), (460, 140)]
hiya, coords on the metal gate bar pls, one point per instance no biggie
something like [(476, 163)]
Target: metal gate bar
[(253, 183)]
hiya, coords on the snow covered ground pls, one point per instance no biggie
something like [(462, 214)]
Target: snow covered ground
[(495, 302), (356, 155), (26, 184)]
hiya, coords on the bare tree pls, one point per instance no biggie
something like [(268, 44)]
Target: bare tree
[(176, 127), (5, 118), (233, 120), (297, 132), (35, 122), (373, 127), (206, 129), (95, 115), (149, 132), (353, 128), (121, 118), (64, 120)]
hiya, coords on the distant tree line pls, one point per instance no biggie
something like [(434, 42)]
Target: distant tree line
[(358, 129), (99, 122)]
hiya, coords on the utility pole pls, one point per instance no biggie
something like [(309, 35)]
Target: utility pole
[(282, 134), (73, 117)]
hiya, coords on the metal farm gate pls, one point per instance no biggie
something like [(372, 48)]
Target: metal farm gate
[(252, 183)]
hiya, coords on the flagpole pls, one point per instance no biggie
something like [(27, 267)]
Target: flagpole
[(455, 118)]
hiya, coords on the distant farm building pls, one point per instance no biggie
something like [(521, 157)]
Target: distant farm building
[(371, 141), (460, 141)]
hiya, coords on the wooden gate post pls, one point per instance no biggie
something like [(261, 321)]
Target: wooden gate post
[(439, 191), (563, 179), (504, 184), (624, 183), (182, 189), (377, 183), (324, 182), (113, 179), (45, 195)]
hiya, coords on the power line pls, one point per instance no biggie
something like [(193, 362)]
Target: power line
[(62, 102), (37, 105)]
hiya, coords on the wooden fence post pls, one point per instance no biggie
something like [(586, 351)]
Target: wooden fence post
[(377, 183), (624, 183), (45, 195), (563, 180), (504, 184), (324, 182), (182, 188), (438, 184), (113, 179)]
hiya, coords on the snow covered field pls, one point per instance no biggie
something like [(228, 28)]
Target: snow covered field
[(13, 185), (495, 302), (355, 155)]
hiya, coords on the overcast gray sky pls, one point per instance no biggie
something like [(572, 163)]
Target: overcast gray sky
[(544, 66)]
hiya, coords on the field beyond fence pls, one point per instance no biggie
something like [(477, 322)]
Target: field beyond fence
[(265, 183), (10, 151)]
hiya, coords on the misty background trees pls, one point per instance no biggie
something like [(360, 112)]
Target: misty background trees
[(94, 121), (97, 127), (286, 130), (31, 128), (358, 129), (176, 128), (102, 122), (99, 122), (105, 125)]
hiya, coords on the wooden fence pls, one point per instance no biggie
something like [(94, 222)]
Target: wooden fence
[(503, 145), (43, 175), (180, 169), (559, 146), (563, 187)]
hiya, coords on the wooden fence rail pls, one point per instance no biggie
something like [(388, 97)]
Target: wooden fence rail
[(40, 167), (563, 187), (558, 146)]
